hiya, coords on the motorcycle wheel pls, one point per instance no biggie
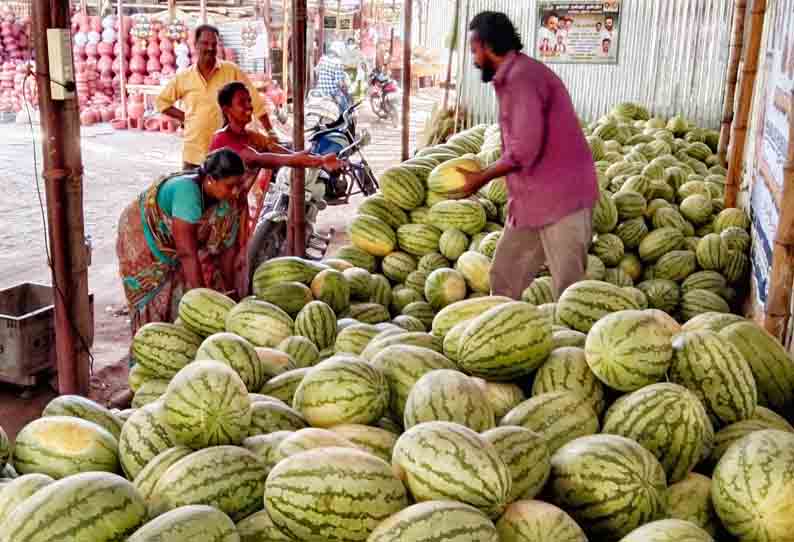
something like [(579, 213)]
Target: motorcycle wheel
[(376, 103), (268, 241)]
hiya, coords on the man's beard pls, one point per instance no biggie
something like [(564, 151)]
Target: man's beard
[(487, 72)]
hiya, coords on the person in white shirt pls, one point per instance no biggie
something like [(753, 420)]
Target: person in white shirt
[(547, 35)]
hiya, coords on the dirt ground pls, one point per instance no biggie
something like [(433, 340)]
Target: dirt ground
[(118, 166)]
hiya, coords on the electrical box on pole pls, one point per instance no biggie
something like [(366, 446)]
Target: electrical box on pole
[(59, 41)]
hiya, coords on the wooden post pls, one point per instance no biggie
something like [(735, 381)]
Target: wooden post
[(737, 43), (781, 278), (461, 77), (408, 17), (268, 16), (296, 227), (452, 46), (321, 34), (123, 61), (739, 129), (285, 47), (63, 176)]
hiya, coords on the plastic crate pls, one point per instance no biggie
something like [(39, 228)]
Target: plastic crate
[(27, 332)]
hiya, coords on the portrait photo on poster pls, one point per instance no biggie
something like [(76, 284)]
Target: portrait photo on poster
[(578, 32)]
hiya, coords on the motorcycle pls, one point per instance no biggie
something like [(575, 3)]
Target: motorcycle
[(321, 189), (383, 92)]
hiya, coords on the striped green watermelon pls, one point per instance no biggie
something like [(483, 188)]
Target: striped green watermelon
[(668, 530), (138, 375), (730, 434), (605, 214), (467, 216), (506, 342), (731, 218), (420, 215), (476, 269), (527, 457), (351, 493), (662, 294), (372, 235), (629, 204), (144, 436), (711, 321), (447, 395), (618, 277), (751, 487), (291, 297), (379, 442), (696, 208), (567, 337), (194, 522), (540, 291), (259, 526), (149, 392), (360, 282), (712, 252), (443, 460), (342, 389), (671, 218), (331, 287), (163, 349), (398, 265), (772, 366), (285, 269), (204, 311), (311, 438), (690, 500), (489, 243), (668, 420), (453, 243), (317, 322), (566, 369), (402, 188), (369, 313), (283, 386), (147, 479), (16, 491), (421, 311), (274, 362), (695, 302), (265, 447), (238, 354), (537, 521), (207, 404), (408, 338), (502, 396), (736, 238), (446, 179), (379, 207), (717, 372), (418, 239), (627, 479), (596, 270), (60, 446), (336, 264), (431, 199), (444, 287), (92, 506), (436, 520), (229, 478), (774, 419), (354, 339), (261, 323), (659, 242), (582, 304), (676, 265), (416, 280), (627, 350), (80, 407), (301, 350), (458, 312), (558, 417), (736, 267), (432, 261), (704, 280), (632, 232), (273, 415), (356, 256)]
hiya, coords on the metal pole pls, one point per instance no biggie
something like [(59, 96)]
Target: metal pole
[(269, 30), (63, 174), (296, 227), (123, 62), (285, 46), (321, 35), (408, 18)]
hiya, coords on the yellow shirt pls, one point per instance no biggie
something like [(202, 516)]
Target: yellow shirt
[(199, 99)]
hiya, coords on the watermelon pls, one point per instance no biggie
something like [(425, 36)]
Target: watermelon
[(80, 407), (259, 526), (420, 215), (772, 418), (446, 179), (149, 392), (467, 216), (302, 351), (163, 349), (331, 287), (269, 416), (274, 362), (356, 256), (379, 442), (290, 297), (662, 294), (398, 265), (676, 265), (558, 417), (311, 438), (717, 373), (372, 235), (447, 395), (204, 311), (475, 268), (695, 302), (690, 500), (144, 435), (668, 420), (704, 280), (618, 277), (265, 447), (668, 530), (730, 434), (284, 385), (368, 313), (432, 261), (444, 287), (407, 338), (627, 350), (712, 252), (632, 232), (731, 218), (627, 479), (18, 490), (418, 239), (436, 520), (736, 266), (422, 311), (402, 188), (416, 280), (537, 521), (337, 264), (342, 389), (582, 304), (95, 506), (566, 369), (229, 478), (596, 270), (453, 243), (286, 269), (443, 460), (488, 245), (696, 208), (262, 324), (238, 354), (605, 214), (527, 457), (147, 479), (771, 364), (354, 339), (317, 322), (736, 239), (751, 487), (403, 365), (539, 292), (380, 207), (609, 248), (629, 204), (138, 375), (60, 446), (402, 296), (360, 282), (188, 523)]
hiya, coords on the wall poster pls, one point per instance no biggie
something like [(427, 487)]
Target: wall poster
[(578, 32)]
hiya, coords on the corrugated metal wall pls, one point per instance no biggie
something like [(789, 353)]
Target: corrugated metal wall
[(673, 58)]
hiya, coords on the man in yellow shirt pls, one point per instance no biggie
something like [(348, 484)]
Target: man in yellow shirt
[(197, 88)]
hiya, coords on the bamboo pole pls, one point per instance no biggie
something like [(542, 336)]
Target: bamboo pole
[(453, 42), (739, 129), (781, 279), (737, 42), (296, 226), (461, 78), (408, 17)]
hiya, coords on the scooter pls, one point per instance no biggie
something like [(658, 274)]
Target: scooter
[(383, 93), (270, 235)]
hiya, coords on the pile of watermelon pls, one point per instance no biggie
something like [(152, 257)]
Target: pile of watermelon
[(383, 395)]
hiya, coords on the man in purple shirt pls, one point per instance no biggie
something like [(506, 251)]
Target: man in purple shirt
[(551, 179)]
